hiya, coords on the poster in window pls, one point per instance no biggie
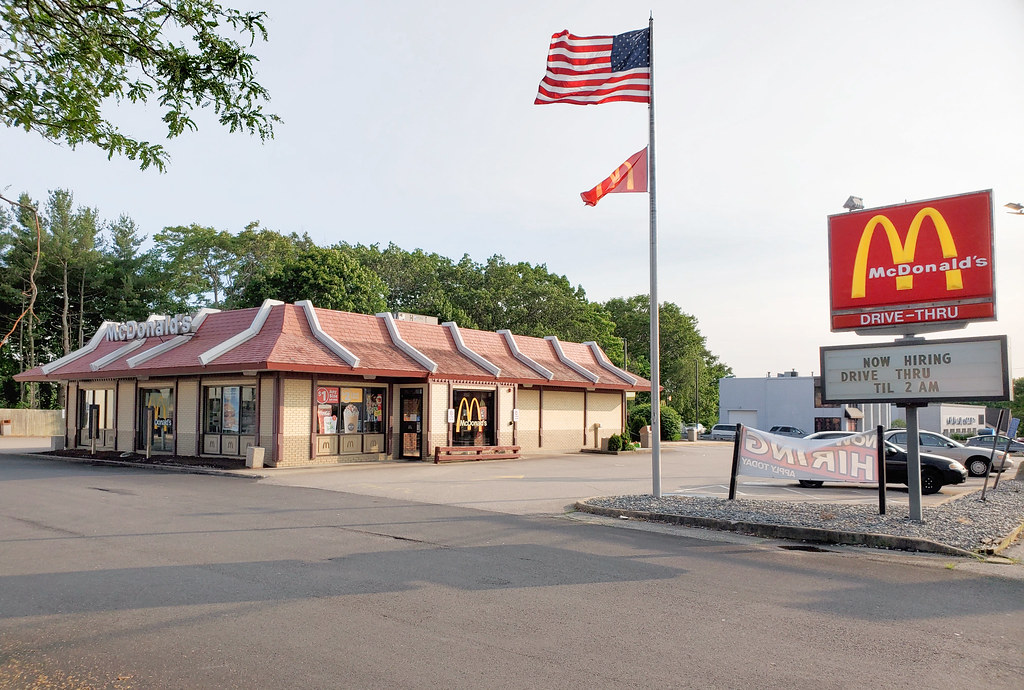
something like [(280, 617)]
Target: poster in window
[(327, 419), (351, 395), (350, 417), (231, 400)]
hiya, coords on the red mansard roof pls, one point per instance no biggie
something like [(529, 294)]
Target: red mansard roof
[(281, 338)]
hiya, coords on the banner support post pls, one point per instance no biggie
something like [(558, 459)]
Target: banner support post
[(992, 457), (881, 470), (735, 462)]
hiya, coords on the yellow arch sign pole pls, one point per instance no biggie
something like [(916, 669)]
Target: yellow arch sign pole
[(903, 253)]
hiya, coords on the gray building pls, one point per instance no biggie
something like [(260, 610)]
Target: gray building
[(792, 400)]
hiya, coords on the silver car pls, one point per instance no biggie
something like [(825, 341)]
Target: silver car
[(723, 432), (974, 458)]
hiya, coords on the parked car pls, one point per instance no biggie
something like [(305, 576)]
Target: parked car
[(828, 435), (1016, 445), (936, 471), (698, 426), (974, 458), (783, 430), (723, 432)]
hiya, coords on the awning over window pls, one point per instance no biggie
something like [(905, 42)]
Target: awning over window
[(853, 413)]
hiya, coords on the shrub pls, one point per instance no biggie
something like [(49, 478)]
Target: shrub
[(615, 443), (640, 416)]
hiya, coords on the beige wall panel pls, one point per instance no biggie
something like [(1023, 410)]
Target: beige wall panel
[(71, 423), (529, 419), (437, 404), (604, 409), (505, 405), (126, 408), (187, 417), (563, 420)]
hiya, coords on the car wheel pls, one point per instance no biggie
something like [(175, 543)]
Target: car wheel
[(810, 484), (930, 481), (977, 466)]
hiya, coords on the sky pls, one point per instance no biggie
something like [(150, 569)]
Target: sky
[(414, 124)]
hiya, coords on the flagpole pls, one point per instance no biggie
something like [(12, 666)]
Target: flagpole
[(655, 330)]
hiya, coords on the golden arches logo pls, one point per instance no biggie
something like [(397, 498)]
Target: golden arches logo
[(903, 252), (627, 169), (467, 405)]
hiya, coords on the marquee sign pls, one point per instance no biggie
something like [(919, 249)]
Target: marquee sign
[(913, 267), (917, 371)]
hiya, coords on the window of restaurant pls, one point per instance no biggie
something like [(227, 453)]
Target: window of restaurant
[(828, 424), (103, 399), (160, 427), (349, 420), (229, 419), (474, 423)]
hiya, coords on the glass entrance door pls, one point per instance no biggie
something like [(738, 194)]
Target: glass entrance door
[(161, 424), (411, 427)]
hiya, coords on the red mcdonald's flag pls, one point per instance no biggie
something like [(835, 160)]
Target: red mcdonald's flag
[(631, 176)]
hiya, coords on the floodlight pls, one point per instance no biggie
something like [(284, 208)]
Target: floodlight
[(854, 203)]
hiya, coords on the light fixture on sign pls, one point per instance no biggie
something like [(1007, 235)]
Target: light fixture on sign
[(854, 203)]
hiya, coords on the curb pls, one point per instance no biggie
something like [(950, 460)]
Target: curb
[(811, 534), (180, 469)]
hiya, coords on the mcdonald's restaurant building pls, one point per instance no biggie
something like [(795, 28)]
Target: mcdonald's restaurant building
[(314, 386)]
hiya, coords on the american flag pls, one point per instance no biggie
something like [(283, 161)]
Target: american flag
[(589, 70)]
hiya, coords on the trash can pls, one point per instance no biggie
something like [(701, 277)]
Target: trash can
[(645, 437), (254, 457), (691, 434), (5, 427)]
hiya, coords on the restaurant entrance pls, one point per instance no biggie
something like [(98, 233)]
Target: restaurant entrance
[(411, 426)]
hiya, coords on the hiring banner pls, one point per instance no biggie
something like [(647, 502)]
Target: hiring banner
[(850, 459)]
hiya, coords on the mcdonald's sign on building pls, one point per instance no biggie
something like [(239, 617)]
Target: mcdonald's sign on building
[(912, 268)]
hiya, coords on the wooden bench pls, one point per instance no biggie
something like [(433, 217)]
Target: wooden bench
[(450, 453)]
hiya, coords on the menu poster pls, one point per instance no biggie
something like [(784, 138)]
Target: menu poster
[(328, 420), (350, 417), (231, 409)]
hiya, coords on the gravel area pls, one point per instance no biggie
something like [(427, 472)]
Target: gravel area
[(966, 522)]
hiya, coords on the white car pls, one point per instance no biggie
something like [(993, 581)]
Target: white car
[(974, 458), (828, 435), (723, 432)]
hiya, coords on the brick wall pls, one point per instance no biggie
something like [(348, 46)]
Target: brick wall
[(296, 423), (266, 439)]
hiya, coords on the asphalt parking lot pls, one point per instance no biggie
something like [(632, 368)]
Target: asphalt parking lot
[(551, 484)]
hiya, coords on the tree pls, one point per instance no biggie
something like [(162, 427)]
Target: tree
[(260, 257), (63, 61), (202, 258), (133, 281), (687, 366), (329, 278)]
